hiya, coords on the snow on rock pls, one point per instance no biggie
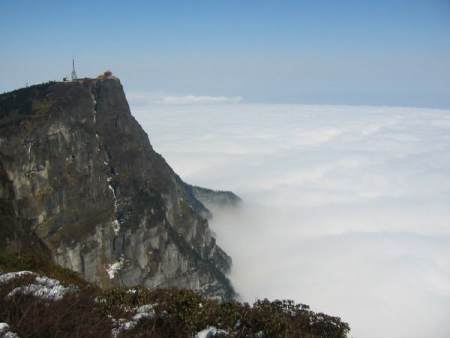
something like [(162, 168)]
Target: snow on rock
[(210, 332), (5, 332), (9, 276), (44, 288), (115, 223), (110, 187), (114, 268), (116, 226), (142, 312)]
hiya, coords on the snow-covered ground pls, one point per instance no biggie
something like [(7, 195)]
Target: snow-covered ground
[(209, 332), (346, 208), (6, 277), (142, 312), (50, 289), (41, 287)]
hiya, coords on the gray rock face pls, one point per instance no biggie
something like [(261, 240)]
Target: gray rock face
[(79, 177), (216, 198)]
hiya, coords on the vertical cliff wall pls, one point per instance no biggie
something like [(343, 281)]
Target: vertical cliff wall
[(79, 181)]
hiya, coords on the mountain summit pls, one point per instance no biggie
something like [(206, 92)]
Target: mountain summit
[(81, 183)]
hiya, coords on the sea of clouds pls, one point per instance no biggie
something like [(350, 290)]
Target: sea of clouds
[(347, 208)]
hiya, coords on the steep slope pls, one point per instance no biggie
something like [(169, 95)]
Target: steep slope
[(79, 177)]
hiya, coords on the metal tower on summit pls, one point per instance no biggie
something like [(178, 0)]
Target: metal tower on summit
[(74, 73)]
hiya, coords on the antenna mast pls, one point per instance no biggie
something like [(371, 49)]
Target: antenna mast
[(74, 73)]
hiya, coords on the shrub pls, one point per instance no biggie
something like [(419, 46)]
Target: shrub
[(93, 312)]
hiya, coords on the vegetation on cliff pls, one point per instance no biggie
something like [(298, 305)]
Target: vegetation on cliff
[(85, 310)]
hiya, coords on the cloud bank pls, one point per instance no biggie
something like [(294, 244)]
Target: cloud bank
[(347, 209), (143, 99)]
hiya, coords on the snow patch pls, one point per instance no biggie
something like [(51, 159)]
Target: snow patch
[(115, 223), (210, 332), (142, 312), (116, 226), (114, 268), (5, 332), (44, 288), (9, 276)]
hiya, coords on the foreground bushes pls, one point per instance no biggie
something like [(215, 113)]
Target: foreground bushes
[(139, 312)]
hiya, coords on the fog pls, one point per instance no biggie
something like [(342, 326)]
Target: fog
[(346, 209)]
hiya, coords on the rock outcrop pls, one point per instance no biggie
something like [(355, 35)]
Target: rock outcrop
[(80, 182), (216, 198)]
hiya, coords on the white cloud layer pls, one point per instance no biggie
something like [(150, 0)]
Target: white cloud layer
[(142, 99), (347, 209)]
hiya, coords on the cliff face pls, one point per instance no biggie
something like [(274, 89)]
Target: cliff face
[(79, 181), (216, 198)]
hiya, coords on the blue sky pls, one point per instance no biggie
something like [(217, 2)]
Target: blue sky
[(344, 52)]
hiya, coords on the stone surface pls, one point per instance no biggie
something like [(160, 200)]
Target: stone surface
[(80, 182), (216, 198)]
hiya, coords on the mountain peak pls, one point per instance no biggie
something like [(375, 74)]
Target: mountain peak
[(80, 180)]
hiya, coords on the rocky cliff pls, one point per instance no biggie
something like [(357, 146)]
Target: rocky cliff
[(216, 198), (80, 183)]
